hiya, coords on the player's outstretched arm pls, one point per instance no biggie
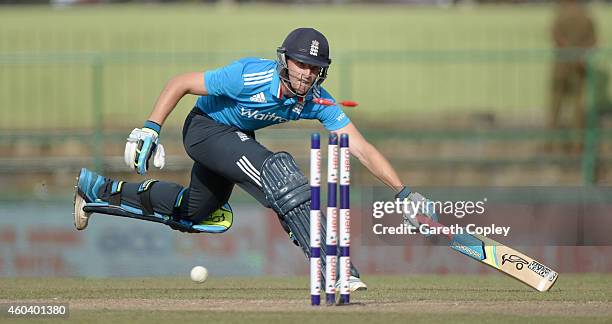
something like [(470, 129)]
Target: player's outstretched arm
[(371, 158), (143, 143), (175, 89)]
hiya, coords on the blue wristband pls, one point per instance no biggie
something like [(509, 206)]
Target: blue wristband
[(403, 193), (153, 125)]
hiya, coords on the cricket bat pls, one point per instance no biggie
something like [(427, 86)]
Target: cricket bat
[(505, 259)]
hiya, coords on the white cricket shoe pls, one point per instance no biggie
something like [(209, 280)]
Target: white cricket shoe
[(355, 284), (80, 217), (85, 191)]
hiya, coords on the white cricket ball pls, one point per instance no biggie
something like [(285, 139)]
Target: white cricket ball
[(199, 274)]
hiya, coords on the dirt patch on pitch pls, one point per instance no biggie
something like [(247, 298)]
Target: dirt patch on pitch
[(543, 308)]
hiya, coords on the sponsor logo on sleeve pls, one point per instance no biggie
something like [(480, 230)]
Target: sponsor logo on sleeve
[(298, 108)]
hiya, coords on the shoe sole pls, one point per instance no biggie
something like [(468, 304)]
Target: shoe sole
[(81, 218), (360, 288)]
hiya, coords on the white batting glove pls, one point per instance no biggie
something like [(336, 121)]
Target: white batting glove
[(142, 143)]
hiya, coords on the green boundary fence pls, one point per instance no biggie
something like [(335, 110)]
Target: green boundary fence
[(347, 62)]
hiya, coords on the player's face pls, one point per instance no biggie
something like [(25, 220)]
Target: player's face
[(302, 75)]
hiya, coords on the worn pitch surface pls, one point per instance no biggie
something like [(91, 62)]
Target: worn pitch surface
[(575, 298)]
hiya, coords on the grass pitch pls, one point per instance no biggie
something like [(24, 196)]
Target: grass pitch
[(415, 299)]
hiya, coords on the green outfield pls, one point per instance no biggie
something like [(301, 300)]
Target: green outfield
[(60, 68), (414, 299)]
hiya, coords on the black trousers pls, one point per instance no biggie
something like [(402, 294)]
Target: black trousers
[(223, 156)]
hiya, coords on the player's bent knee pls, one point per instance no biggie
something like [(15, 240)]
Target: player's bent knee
[(197, 215), (284, 184)]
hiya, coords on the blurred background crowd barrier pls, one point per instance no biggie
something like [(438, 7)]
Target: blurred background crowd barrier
[(454, 93)]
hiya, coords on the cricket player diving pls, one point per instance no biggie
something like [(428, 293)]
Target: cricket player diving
[(219, 135)]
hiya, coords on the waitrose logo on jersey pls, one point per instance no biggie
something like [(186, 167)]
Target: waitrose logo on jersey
[(257, 115)]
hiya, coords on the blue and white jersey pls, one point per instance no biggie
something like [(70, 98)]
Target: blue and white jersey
[(247, 94)]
